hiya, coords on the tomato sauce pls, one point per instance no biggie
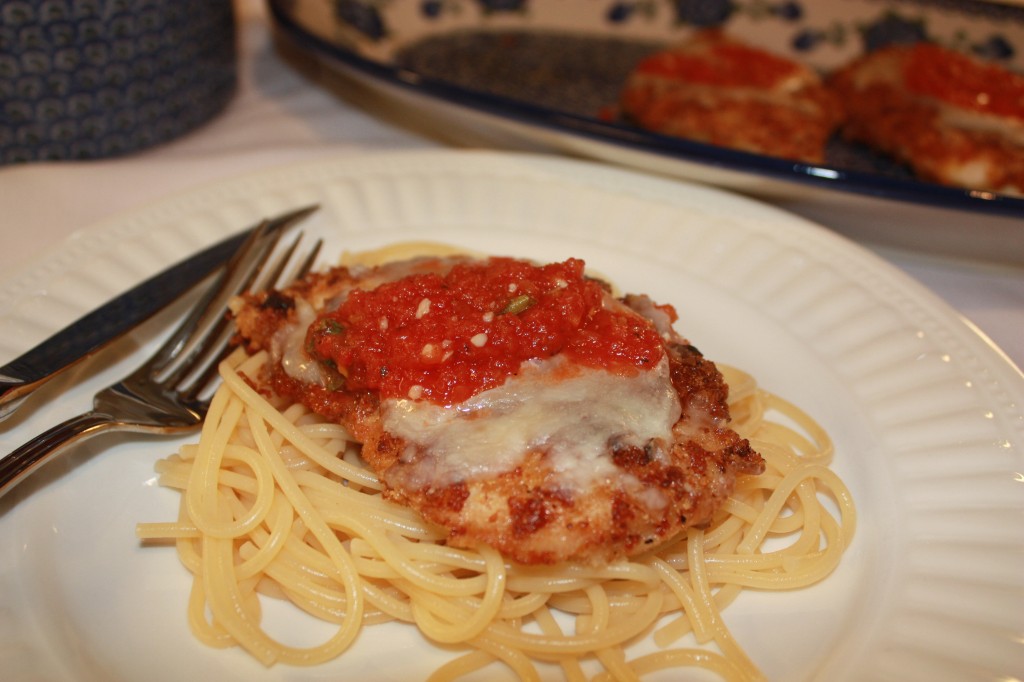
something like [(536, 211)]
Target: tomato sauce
[(446, 337), (726, 64), (964, 82)]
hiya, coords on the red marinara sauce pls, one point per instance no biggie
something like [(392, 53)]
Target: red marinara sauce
[(964, 82), (446, 337), (723, 64)]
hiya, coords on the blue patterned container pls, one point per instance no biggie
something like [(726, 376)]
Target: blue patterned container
[(87, 79)]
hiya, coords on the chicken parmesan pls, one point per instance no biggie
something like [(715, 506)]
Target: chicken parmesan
[(718, 90), (519, 406), (953, 119)]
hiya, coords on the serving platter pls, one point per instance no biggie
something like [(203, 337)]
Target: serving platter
[(925, 414), (540, 76)]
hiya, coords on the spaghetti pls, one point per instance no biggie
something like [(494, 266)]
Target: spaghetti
[(276, 502)]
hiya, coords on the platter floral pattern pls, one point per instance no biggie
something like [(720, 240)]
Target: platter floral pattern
[(881, 24)]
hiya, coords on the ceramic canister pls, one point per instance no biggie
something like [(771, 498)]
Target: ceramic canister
[(87, 79)]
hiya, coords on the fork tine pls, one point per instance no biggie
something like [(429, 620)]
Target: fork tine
[(203, 369), (209, 337), (205, 319), (307, 265), (267, 277), (237, 276), (275, 278)]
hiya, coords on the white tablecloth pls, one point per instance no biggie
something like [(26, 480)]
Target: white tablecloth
[(278, 116)]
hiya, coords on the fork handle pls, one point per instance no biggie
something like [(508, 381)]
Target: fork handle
[(18, 464)]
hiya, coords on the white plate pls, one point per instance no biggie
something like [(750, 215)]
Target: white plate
[(926, 416)]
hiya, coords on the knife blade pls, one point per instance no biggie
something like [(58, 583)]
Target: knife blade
[(97, 329)]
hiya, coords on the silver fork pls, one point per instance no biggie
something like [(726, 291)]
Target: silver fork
[(170, 392)]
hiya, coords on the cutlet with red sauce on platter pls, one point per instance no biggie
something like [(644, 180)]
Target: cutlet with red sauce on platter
[(952, 118), (719, 90)]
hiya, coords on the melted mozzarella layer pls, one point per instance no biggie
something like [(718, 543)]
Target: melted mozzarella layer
[(571, 414), (289, 345), (711, 95)]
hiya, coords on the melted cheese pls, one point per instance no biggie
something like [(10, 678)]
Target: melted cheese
[(572, 415), (989, 124), (710, 96), (289, 345)]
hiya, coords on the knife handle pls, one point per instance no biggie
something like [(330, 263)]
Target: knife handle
[(118, 316), (21, 462)]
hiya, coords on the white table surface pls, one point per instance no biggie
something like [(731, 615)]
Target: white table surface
[(277, 116)]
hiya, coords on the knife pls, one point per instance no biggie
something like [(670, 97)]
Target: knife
[(89, 334)]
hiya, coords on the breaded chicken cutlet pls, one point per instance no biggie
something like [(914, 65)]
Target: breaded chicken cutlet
[(953, 119), (519, 406), (718, 90)]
